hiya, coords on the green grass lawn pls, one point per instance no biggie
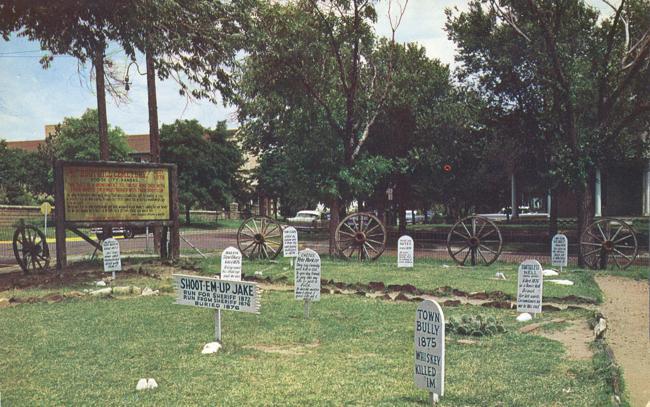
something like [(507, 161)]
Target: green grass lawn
[(426, 275), (355, 351)]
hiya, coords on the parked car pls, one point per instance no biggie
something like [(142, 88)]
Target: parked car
[(308, 219), (127, 232), (524, 213), (419, 218)]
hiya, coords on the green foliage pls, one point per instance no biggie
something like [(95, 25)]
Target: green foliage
[(475, 325), (207, 160), (18, 173)]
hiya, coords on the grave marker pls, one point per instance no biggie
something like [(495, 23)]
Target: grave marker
[(405, 251), (559, 251), (231, 264), (217, 294), (111, 254), (429, 370), (307, 278), (529, 287), (290, 243)]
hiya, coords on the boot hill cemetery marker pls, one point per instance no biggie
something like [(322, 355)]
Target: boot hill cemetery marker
[(559, 251), (405, 251), (231, 264), (429, 370), (307, 278), (529, 287), (217, 294), (112, 258), (290, 243)]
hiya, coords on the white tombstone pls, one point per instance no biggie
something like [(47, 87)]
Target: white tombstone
[(290, 242), (429, 370), (405, 251), (559, 250), (307, 276), (529, 287), (231, 264), (111, 254)]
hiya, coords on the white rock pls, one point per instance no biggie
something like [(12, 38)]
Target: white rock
[(445, 266), (102, 292), (600, 327), (500, 276), (212, 347), (560, 282), (524, 317), (122, 290), (258, 273), (148, 291), (151, 384), (101, 283), (142, 385), (550, 273)]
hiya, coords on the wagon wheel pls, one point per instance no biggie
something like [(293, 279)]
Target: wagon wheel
[(361, 235), (30, 249), (260, 237), (474, 239), (609, 241)]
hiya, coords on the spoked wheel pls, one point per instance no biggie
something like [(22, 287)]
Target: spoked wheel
[(260, 237), (474, 240), (609, 241), (361, 236), (30, 249)]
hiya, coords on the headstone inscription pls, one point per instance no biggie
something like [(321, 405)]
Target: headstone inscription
[(307, 278), (405, 251), (290, 242), (111, 254), (231, 261), (429, 370), (529, 287), (559, 251), (214, 293)]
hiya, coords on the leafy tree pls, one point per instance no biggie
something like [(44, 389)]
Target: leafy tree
[(581, 77), (17, 171), (207, 161)]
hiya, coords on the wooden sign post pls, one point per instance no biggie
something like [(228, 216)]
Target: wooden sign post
[(112, 258), (290, 243), (405, 251), (429, 370), (307, 278), (559, 251), (210, 292), (529, 287)]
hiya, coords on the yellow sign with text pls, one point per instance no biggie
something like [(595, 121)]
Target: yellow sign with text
[(107, 193)]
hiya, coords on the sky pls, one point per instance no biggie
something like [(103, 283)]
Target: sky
[(31, 97)]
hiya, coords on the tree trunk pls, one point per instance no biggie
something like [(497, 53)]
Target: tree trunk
[(401, 215), (107, 231), (552, 220), (154, 133), (334, 222), (585, 211), (426, 216), (187, 214)]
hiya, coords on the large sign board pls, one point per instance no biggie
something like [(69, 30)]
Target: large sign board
[(210, 292), (231, 264), (429, 370), (559, 250), (290, 242), (307, 277), (529, 287), (115, 193), (405, 251)]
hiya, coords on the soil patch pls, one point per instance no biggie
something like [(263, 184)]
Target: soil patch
[(576, 339), (626, 310)]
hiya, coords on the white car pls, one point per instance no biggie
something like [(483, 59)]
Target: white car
[(307, 219)]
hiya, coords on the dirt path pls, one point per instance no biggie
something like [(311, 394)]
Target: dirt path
[(626, 310)]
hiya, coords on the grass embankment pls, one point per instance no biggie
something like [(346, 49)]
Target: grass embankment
[(352, 351), (427, 275)]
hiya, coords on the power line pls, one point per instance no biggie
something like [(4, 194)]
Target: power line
[(21, 52)]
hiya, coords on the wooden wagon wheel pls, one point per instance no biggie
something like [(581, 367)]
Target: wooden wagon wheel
[(609, 239), (260, 237), (30, 249), (361, 235), (475, 239)]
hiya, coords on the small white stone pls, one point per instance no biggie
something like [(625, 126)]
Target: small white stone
[(600, 328), (101, 283), (122, 290), (212, 347), (102, 292), (148, 291), (142, 385), (258, 273), (560, 282), (151, 384), (550, 273), (524, 317), (500, 276), (445, 266)]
